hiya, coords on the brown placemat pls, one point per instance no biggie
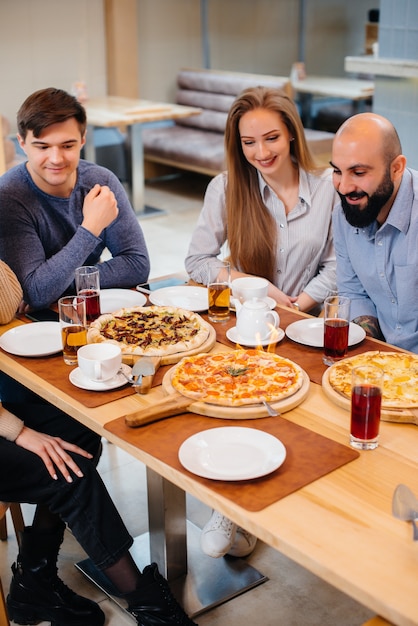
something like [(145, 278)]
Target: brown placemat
[(308, 455), (53, 370), (309, 358)]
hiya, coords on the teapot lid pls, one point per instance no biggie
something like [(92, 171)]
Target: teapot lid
[(255, 303)]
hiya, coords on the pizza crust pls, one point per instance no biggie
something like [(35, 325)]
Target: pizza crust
[(237, 378), (150, 331), (400, 386)]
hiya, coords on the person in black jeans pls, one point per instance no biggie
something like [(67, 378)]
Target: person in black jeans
[(47, 458)]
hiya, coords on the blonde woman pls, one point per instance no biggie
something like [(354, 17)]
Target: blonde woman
[(272, 209)]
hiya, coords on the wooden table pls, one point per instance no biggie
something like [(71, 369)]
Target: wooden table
[(340, 527), (354, 89), (132, 114)]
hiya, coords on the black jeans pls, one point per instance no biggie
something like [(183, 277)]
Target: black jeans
[(85, 504)]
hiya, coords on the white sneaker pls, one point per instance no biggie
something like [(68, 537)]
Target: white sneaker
[(244, 543), (218, 535)]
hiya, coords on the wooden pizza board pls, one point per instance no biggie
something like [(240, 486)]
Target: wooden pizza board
[(171, 359), (253, 411), (402, 416)]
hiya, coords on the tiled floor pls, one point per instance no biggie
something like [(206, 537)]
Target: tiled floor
[(292, 596)]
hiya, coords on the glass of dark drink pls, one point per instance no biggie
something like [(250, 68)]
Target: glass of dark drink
[(87, 282), (336, 326), (366, 400)]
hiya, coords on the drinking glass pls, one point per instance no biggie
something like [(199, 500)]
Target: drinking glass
[(72, 316), (366, 400), (87, 282), (219, 291), (336, 326)]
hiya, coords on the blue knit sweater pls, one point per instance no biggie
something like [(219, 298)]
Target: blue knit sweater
[(42, 240)]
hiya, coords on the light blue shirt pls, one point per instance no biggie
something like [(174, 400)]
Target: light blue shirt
[(377, 267)]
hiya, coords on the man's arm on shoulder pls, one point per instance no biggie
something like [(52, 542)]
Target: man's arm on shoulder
[(371, 325)]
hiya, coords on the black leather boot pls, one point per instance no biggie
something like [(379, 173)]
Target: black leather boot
[(153, 604), (37, 594)]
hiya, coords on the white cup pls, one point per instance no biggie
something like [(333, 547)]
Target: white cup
[(99, 361), (248, 287)]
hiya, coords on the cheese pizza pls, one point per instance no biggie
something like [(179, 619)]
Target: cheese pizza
[(237, 378), (150, 331), (400, 384)]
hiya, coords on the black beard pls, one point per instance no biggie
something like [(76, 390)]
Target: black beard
[(360, 218)]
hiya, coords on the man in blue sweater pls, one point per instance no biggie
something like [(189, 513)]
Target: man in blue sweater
[(58, 212)]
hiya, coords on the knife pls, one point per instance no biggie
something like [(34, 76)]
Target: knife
[(143, 373)]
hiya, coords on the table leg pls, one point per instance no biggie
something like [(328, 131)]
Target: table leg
[(199, 582), (137, 168), (305, 102), (138, 175)]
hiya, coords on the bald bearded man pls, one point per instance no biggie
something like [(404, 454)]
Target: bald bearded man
[(376, 229)]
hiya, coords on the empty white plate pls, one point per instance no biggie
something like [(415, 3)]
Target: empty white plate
[(183, 296), (310, 332), (37, 339), (112, 300), (232, 453)]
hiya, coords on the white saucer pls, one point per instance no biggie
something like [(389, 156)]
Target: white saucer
[(80, 380), (271, 302), (233, 336)]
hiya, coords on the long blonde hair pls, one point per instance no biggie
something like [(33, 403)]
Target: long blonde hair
[(252, 231)]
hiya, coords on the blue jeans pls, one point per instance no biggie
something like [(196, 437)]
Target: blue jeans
[(85, 504)]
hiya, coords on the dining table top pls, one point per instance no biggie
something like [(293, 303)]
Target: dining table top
[(335, 86), (339, 526), (108, 111)]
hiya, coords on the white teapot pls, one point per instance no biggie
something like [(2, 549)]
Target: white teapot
[(255, 320)]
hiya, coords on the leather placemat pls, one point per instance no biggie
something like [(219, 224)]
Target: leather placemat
[(308, 357), (53, 370), (308, 455)]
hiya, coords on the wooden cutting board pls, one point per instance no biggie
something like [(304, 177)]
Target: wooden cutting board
[(402, 416), (171, 359), (252, 411)]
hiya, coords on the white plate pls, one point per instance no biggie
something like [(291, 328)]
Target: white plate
[(271, 302), (37, 339), (232, 453), (78, 379), (310, 332), (114, 299), (233, 336), (185, 297)]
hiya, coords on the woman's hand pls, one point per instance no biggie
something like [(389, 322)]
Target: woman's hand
[(52, 451), (279, 296)]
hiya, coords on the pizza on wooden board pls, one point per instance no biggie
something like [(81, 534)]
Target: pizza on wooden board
[(150, 331), (237, 378), (400, 381)]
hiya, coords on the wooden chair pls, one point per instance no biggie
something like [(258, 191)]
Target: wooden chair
[(4, 618), (18, 524), (17, 519)]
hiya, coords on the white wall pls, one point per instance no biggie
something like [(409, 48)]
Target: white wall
[(57, 42), (49, 43)]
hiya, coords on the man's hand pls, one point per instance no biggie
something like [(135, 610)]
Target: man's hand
[(99, 209), (52, 451)]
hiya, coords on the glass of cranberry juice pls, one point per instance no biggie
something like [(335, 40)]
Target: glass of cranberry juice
[(336, 327), (87, 282), (366, 400)]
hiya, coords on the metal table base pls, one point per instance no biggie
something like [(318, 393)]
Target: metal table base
[(199, 582)]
